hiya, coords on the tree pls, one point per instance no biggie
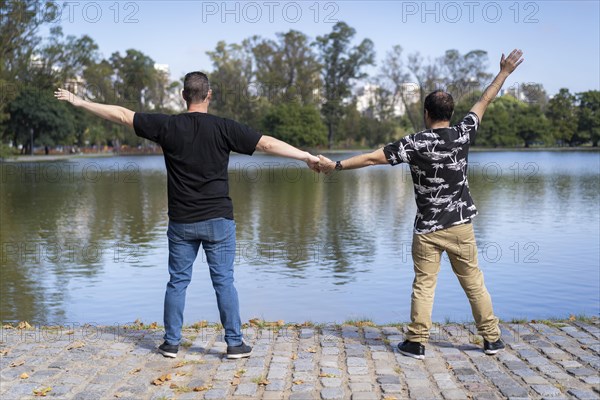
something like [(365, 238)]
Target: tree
[(299, 125), (233, 94), (535, 94), (531, 124), (135, 74), (287, 69), (562, 114), (36, 116), (461, 74), (589, 115), (341, 65)]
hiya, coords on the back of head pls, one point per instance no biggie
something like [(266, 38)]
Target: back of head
[(439, 106), (195, 87)]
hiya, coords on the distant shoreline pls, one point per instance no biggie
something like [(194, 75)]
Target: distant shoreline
[(61, 157)]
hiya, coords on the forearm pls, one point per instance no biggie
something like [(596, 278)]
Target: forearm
[(277, 147), (118, 114), (493, 89), (365, 160)]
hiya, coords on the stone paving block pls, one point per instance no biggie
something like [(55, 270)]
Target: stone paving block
[(246, 389), (547, 391), (583, 394), (332, 394), (276, 385), (364, 396)]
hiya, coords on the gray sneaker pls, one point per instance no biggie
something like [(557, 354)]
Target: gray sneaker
[(492, 348)]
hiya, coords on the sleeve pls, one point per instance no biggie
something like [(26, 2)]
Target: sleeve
[(469, 125), (151, 126), (241, 138), (399, 151)]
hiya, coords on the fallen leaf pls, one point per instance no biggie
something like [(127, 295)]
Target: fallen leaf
[(200, 324), (17, 363), (70, 333), (153, 325), (390, 398), (76, 345), (8, 326), (298, 382), (323, 375), (117, 395), (311, 350), (572, 317), (294, 356), (254, 321), (239, 373), (23, 325), (24, 375), (201, 388), (173, 386), (42, 392), (263, 382), (162, 379), (235, 381), (4, 352), (182, 373), (135, 371)]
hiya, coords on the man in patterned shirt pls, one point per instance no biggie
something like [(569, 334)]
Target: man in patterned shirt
[(438, 159)]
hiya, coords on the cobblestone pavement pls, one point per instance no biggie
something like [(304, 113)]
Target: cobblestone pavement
[(542, 361)]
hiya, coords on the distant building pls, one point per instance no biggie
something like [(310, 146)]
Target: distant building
[(367, 98), (515, 92)]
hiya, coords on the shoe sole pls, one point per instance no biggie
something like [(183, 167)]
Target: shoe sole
[(406, 353), (236, 356), (167, 354), (492, 352)]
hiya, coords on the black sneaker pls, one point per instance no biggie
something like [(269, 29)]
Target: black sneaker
[(241, 351), (412, 349), (493, 347), (168, 350)]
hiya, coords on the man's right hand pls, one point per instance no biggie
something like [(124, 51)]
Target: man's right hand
[(510, 63)]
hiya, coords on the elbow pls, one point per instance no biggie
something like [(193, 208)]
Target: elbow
[(265, 144)]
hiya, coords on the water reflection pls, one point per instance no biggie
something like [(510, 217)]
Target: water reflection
[(88, 242)]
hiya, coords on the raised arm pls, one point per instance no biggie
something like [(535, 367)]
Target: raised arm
[(507, 66), (376, 157), (274, 146), (118, 114)]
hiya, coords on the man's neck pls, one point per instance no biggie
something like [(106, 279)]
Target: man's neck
[(199, 108)]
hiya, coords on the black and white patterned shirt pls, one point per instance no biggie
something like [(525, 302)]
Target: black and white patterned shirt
[(438, 165)]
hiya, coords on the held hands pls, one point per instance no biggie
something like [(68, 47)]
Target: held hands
[(65, 95), (326, 165), (312, 162), (510, 63)]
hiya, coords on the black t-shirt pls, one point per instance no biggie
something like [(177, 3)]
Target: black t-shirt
[(438, 165), (196, 148)]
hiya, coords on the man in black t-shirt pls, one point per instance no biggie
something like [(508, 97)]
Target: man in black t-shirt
[(437, 158), (196, 147)]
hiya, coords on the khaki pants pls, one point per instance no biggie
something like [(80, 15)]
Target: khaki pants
[(459, 243)]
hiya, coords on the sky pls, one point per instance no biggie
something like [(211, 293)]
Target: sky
[(560, 39)]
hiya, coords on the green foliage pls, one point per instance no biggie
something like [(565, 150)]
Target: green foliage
[(296, 124), (562, 114), (35, 113), (341, 65), (589, 115)]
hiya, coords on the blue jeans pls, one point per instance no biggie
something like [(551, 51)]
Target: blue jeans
[(217, 237)]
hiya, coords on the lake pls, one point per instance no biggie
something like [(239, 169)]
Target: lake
[(83, 241)]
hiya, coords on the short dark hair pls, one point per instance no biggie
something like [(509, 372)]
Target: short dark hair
[(195, 87), (439, 105)]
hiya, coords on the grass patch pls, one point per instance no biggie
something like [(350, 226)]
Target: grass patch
[(362, 322)]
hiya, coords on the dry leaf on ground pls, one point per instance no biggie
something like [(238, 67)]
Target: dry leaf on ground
[(162, 379), (24, 375), (76, 345)]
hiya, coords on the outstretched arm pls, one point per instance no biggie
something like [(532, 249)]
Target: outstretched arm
[(118, 114), (507, 66), (270, 145), (362, 160)]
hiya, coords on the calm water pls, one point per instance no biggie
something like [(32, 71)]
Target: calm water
[(84, 241)]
